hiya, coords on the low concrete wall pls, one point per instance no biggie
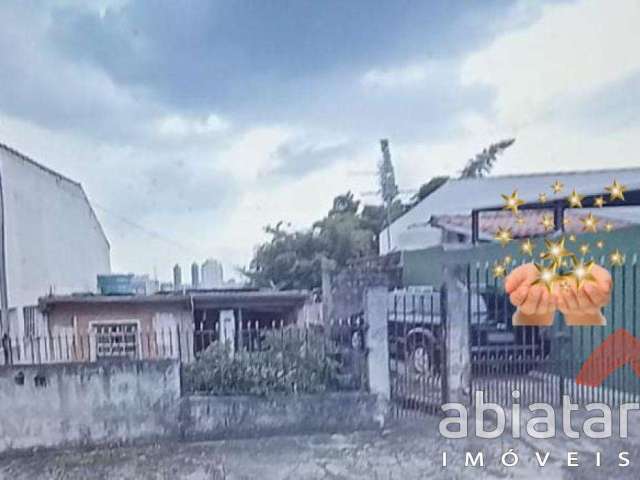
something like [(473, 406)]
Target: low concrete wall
[(68, 405), (85, 404), (211, 418)]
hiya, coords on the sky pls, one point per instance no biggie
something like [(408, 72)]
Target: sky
[(192, 125)]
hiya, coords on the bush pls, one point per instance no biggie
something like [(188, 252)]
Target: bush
[(291, 360)]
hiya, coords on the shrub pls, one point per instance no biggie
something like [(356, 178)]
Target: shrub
[(291, 360)]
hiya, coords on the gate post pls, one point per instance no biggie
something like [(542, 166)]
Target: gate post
[(456, 382), (375, 315)]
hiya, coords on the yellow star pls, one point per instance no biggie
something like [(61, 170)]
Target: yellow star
[(512, 202), (504, 236), (599, 202), (546, 276), (542, 198), (547, 222), (584, 249), (507, 260), (520, 220), (566, 221), (600, 244), (527, 247), (589, 223), (581, 272), (575, 199), (616, 258), (616, 190), (572, 238), (499, 270), (557, 186), (555, 251), (608, 226)]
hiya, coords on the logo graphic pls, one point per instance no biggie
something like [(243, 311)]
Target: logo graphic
[(618, 349)]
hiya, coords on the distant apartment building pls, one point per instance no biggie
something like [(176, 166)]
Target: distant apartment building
[(212, 274), (50, 240), (177, 277), (195, 275)]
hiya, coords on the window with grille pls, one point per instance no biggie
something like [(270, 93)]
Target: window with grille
[(116, 340)]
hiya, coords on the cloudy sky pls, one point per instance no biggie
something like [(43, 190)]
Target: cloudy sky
[(193, 124)]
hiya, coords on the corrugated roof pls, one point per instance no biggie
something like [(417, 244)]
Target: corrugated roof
[(460, 196)]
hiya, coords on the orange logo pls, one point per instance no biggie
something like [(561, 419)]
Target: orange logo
[(619, 349)]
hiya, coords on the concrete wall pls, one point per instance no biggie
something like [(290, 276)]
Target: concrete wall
[(208, 417), (53, 238), (72, 405)]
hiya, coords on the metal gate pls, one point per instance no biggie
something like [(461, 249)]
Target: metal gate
[(542, 363), (416, 320)]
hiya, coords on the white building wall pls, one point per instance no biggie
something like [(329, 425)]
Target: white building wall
[(53, 239)]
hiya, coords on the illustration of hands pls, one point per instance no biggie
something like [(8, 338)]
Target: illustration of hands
[(580, 301)]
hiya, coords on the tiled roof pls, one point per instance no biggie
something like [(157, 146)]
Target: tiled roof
[(489, 222)]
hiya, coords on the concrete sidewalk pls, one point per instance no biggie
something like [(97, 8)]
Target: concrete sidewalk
[(411, 450)]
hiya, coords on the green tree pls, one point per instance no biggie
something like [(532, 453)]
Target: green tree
[(483, 162)]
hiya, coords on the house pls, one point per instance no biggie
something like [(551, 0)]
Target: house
[(50, 240), (172, 324), (449, 208)]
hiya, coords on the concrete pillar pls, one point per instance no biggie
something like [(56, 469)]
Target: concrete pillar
[(375, 312), (228, 330), (455, 301)]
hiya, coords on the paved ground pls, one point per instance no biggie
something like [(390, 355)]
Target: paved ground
[(411, 450)]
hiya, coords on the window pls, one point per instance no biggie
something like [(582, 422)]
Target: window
[(29, 317), (116, 340)]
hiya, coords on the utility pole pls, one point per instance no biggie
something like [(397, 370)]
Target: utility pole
[(388, 187)]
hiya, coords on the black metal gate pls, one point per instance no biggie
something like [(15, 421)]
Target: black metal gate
[(416, 323), (542, 363)]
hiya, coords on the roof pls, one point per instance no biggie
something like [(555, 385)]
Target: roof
[(58, 176), (531, 226), (209, 298), (460, 196)]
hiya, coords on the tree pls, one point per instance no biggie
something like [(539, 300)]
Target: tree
[(483, 162), (427, 189), (292, 260)]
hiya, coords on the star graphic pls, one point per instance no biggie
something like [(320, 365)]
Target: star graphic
[(566, 221), (527, 247), (599, 202), (589, 223), (557, 186), (499, 270), (584, 249), (504, 236), (600, 244), (546, 276), (520, 220), (581, 272), (616, 258), (555, 252), (616, 190), (542, 197), (575, 199), (608, 226), (512, 202), (547, 222), (507, 260), (572, 238)]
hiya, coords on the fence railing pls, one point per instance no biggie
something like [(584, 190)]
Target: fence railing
[(542, 363), (230, 358), (277, 358)]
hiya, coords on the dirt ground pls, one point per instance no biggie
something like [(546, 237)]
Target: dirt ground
[(412, 449)]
